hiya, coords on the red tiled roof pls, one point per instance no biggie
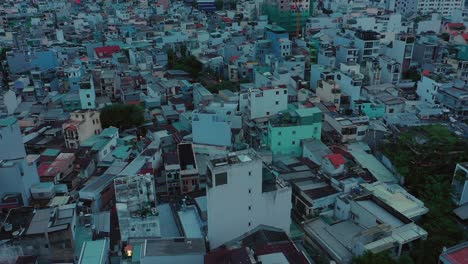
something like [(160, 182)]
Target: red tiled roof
[(43, 169), (426, 72), (234, 58), (227, 20), (336, 159), (465, 36), (455, 25), (309, 105), (71, 127), (106, 52), (459, 256)]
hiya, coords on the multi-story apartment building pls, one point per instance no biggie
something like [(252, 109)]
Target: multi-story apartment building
[(455, 99), (18, 175), (180, 171), (214, 127), (264, 102), (87, 93), (242, 195), (81, 126), (284, 12), (446, 7), (135, 197), (350, 128), (429, 86), (329, 92), (286, 131)]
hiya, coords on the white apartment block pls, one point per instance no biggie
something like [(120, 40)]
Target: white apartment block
[(239, 200), (446, 7), (82, 125), (264, 102), (428, 87)]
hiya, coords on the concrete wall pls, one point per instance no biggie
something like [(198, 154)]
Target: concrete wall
[(287, 140), (211, 129), (268, 102)]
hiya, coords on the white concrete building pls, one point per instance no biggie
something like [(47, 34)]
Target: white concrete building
[(446, 7), (460, 184), (264, 102), (211, 129), (239, 199), (136, 206), (429, 85), (81, 126), (18, 174)]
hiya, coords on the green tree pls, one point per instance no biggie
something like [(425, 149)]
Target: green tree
[(171, 58), (405, 259), (426, 156), (371, 258), (225, 85), (122, 116), (219, 4)]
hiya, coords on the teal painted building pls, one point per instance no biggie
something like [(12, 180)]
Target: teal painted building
[(314, 47), (286, 131), (370, 109), (71, 102), (462, 53)]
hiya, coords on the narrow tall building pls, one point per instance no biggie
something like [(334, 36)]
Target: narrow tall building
[(242, 195), (17, 175)]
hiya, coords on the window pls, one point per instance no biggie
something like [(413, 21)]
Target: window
[(267, 113), (148, 230), (277, 92), (221, 178), (279, 143), (277, 102), (293, 142), (250, 191), (250, 207), (89, 103), (279, 133), (285, 92), (249, 224), (88, 95), (250, 173), (294, 132)]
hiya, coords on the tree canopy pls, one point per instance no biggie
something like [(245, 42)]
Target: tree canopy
[(426, 157), (122, 116), (183, 62), (381, 258)]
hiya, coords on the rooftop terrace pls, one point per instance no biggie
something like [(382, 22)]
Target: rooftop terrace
[(235, 158)]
